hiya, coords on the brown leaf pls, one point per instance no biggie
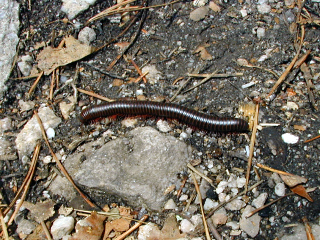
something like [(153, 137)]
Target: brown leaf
[(170, 229), (204, 54), (301, 191), (51, 58), (293, 180), (40, 211), (91, 227), (120, 225)]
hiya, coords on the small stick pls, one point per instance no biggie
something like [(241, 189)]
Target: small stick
[(200, 174), (4, 226), (202, 81), (95, 95), (134, 227), (114, 62), (262, 68), (213, 230), (180, 89), (310, 140), (252, 141), (62, 168), (288, 69), (218, 75), (201, 206), (31, 90), (53, 76), (273, 170), (142, 75), (46, 231), (26, 188)]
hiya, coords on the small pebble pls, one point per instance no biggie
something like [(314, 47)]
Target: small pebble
[(183, 197), (280, 189), (186, 226), (170, 205), (234, 205), (199, 13), (219, 217), (264, 8), (129, 122), (47, 159), (234, 225), (209, 204), (261, 32), (289, 138), (87, 35), (163, 126), (259, 201), (5, 124), (50, 133), (62, 226)]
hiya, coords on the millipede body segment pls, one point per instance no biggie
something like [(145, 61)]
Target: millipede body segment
[(165, 110)]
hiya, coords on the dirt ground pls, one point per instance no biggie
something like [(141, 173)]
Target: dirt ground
[(177, 46)]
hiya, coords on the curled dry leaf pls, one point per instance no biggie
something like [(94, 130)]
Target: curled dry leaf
[(89, 228), (301, 191), (40, 211), (204, 54), (51, 58), (293, 180)]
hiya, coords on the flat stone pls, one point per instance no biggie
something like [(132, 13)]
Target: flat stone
[(199, 13), (31, 133), (9, 27), (138, 168), (73, 7), (250, 225)]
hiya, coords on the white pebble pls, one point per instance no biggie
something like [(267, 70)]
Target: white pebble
[(86, 35), (280, 189), (47, 159), (259, 201), (235, 205), (221, 186), (186, 226), (289, 138), (209, 204), (184, 197), (163, 126), (170, 205), (234, 225), (183, 135), (139, 92), (50, 133), (264, 8), (241, 181), (261, 32), (129, 122), (62, 226)]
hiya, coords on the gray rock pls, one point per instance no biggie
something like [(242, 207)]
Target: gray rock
[(138, 168), (299, 232), (250, 225), (25, 65), (25, 226), (87, 35), (31, 133), (73, 7), (9, 26), (5, 124)]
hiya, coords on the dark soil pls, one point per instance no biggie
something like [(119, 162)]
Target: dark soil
[(173, 37)]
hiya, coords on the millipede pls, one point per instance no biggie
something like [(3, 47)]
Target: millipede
[(166, 110)]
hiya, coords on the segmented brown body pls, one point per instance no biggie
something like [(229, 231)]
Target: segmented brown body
[(166, 110)]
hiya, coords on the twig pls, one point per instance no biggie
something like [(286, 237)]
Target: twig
[(262, 68), (134, 227), (233, 198), (4, 226), (31, 90), (288, 69), (104, 72), (46, 231), (180, 89), (95, 95), (207, 78), (27, 185), (252, 141), (310, 140), (213, 230), (200, 174), (201, 206), (139, 71), (62, 168), (141, 77), (218, 75), (273, 170), (53, 76)]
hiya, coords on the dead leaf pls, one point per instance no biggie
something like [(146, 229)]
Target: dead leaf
[(51, 58), (293, 180), (40, 211), (121, 45), (91, 227), (204, 54), (301, 191), (170, 229), (120, 225), (300, 127)]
